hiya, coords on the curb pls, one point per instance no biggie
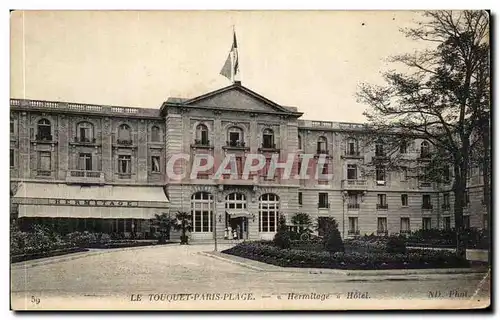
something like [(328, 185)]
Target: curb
[(366, 273)]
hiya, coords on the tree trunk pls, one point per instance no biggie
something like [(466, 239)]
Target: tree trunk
[(458, 190)]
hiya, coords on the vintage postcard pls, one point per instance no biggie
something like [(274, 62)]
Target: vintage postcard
[(250, 160)]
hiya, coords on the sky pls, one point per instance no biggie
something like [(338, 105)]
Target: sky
[(313, 60)]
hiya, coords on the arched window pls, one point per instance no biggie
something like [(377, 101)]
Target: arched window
[(268, 139), (236, 200), (235, 137), (155, 134), (352, 147), (424, 149), (299, 142), (85, 132), (44, 130), (201, 135), (268, 212), (12, 126), (202, 204), (124, 134), (322, 143)]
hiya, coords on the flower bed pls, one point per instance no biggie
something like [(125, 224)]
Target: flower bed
[(412, 259), (44, 254), (122, 244)]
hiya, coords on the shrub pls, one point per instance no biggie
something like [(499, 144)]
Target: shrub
[(395, 245), (333, 240), (282, 236)]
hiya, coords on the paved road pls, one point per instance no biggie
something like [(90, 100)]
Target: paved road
[(114, 278)]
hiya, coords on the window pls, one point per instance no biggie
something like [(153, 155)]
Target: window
[(124, 163), (267, 168), (379, 149), (268, 139), (124, 134), (352, 147), (404, 174), (85, 161), (300, 166), (202, 204), (485, 221), (353, 201), (446, 223), (426, 223), (403, 147), (323, 200), (466, 198), (324, 169), (44, 161), (44, 130), (446, 173), (353, 225), (300, 142), (404, 200), (404, 225), (268, 212), (426, 201), (381, 225), (446, 201), (235, 136), (300, 198), (155, 134), (12, 163), (466, 222), (424, 149), (85, 132), (155, 164), (236, 201), (381, 201), (12, 126), (380, 175), (352, 172), (321, 145)]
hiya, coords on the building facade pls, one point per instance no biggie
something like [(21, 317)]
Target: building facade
[(87, 165)]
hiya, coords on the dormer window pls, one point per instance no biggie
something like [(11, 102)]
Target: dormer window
[(321, 146), (352, 147), (44, 130), (268, 139), (85, 132), (235, 137), (202, 135)]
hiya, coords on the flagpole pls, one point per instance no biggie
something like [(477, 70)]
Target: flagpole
[(233, 75)]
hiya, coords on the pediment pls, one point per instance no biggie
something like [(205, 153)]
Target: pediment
[(237, 97)]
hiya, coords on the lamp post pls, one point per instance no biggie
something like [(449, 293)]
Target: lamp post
[(215, 226)]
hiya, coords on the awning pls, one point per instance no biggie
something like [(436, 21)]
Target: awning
[(110, 193), (238, 213), (47, 211)]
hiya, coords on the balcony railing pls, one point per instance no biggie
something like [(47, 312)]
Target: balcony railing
[(354, 184), (445, 207), (353, 206), (127, 142), (269, 147), (352, 154), (424, 156), (43, 137), (201, 144), (321, 151), (427, 206), (353, 232), (382, 206), (44, 173), (124, 175), (382, 232), (85, 176), (236, 145), (84, 140), (425, 184)]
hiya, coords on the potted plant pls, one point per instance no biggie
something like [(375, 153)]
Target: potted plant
[(183, 222), (163, 224)]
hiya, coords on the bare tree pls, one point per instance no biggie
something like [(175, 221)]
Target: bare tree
[(441, 98)]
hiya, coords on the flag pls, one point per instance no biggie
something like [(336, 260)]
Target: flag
[(231, 66)]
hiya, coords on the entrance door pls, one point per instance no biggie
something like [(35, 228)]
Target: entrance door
[(239, 227)]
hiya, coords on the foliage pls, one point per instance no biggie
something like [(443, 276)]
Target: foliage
[(340, 260), (163, 223), (332, 240), (282, 236), (395, 245), (183, 222), (87, 239), (442, 98), (40, 239)]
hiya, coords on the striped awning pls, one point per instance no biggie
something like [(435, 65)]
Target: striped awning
[(238, 213)]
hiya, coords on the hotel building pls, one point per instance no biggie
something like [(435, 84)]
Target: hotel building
[(104, 168)]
